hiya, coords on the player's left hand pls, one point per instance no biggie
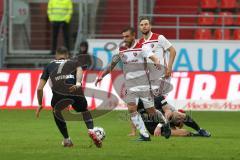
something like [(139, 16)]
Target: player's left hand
[(99, 79), (38, 110), (158, 66), (74, 88), (157, 131)]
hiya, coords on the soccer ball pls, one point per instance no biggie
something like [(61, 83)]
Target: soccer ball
[(99, 132)]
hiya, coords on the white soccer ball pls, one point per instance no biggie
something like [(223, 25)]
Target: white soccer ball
[(99, 131)]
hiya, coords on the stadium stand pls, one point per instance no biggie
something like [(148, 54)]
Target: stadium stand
[(236, 34), (237, 20), (1, 9), (212, 13), (41, 31), (209, 4), (222, 34), (180, 7), (114, 15), (203, 34), (228, 4), (226, 19), (206, 18)]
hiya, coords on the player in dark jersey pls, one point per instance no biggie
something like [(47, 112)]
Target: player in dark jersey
[(65, 78), (177, 120)]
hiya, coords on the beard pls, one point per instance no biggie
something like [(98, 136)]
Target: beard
[(128, 43), (146, 32)]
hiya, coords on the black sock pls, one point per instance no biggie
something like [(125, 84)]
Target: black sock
[(87, 117), (62, 126), (188, 121)]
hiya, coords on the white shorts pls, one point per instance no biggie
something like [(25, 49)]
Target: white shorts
[(133, 97)]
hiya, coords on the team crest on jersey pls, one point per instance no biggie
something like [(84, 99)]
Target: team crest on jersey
[(123, 57), (135, 54), (152, 45)]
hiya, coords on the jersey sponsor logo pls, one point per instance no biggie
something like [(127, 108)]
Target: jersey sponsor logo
[(64, 77)]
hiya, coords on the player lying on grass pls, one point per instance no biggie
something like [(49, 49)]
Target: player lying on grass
[(177, 120)]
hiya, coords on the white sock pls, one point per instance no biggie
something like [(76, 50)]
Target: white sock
[(67, 139), (139, 124)]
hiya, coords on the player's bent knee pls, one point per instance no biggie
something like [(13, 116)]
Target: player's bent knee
[(132, 107)]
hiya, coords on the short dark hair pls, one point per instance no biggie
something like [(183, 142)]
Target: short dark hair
[(131, 29), (144, 18), (84, 43), (62, 50)]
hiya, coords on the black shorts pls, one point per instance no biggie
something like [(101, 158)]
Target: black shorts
[(159, 102), (79, 103)]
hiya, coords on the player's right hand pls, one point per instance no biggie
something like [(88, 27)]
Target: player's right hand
[(74, 88), (157, 131), (38, 111), (99, 79)]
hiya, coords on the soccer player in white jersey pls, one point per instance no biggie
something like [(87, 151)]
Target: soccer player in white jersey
[(132, 54), (160, 45)]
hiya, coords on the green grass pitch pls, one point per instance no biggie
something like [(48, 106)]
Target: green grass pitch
[(23, 137)]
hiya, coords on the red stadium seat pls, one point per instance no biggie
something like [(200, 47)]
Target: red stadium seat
[(228, 4), (237, 20), (206, 18), (228, 20), (219, 33), (236, 34), (203, 34), (209, 4)]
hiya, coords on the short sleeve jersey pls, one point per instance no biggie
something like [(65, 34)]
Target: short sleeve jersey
[(159, 45), (58, 70), (133, 59)]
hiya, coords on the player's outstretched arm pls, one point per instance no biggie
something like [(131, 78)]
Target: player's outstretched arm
[(40, 96), (109, 68)]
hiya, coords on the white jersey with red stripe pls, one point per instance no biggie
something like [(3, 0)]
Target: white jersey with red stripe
[(136, 80), (159, 45), (133, 60)]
